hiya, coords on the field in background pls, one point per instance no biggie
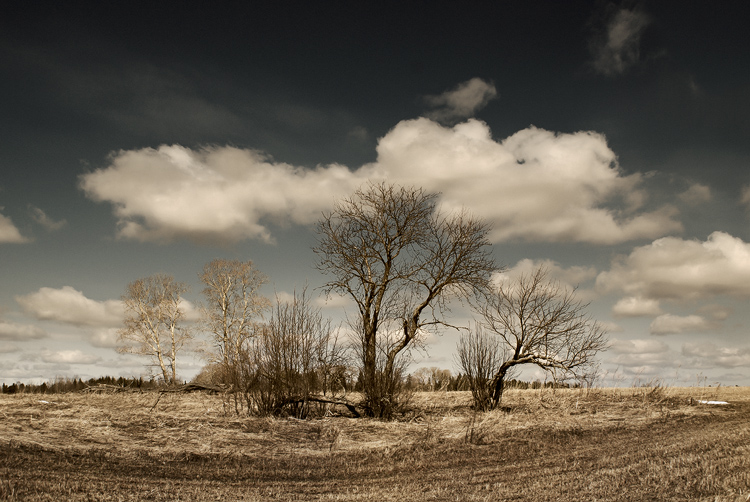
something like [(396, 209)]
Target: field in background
[(645, 443)]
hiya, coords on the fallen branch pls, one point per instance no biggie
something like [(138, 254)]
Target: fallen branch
[(190, 387), (324, 400)]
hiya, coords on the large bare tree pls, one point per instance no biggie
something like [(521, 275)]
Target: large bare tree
[(153, 322), (401, 261), (233, 305), (541, 322)]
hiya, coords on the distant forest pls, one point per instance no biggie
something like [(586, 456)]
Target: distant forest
[(62, 385)]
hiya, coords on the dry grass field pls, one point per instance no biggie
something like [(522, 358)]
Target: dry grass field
[(604, 444)]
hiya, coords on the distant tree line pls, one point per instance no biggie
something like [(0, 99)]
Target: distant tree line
[(346, 382), (62, 385)]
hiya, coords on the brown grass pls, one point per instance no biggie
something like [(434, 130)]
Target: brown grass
[(604, 444)]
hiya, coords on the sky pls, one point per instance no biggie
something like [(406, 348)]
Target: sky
[(609, 142)]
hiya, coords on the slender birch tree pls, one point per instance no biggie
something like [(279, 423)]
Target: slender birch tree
[(233, 305), (154, 322)]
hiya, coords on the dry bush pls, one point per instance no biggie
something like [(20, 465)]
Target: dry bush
[(297, 355), (479, 356)]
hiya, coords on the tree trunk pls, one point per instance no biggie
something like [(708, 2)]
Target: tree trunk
[(164, 372), (498, 384), (369, 368)]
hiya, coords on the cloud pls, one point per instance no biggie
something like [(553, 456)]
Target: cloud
[(673, 268), (696, 194), (41, 218), (9, 233), (634, 306), (191, 312), (69, 357), (20, 332), (104, 338), (333, 300), (642, 356), (7, 348), (462, 102), (638, 346), (708, 355), (610, 327), (616, 47), (70, 306), (213, 194), (569, 278), (650, 357), (535, 185), (359, 134), (745, 196), (717, 312), (283, 297), (668, 324)]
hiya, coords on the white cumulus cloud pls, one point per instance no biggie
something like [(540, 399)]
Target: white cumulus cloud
[(69, 357), (462, 102), (20, 332), (103, 337), (674, 268), (333, 300), (7, 348), (569, 278), (639, 355), (633, 306), (216, 193), (669, 324), (638, 346), (70, 306), (535, 185), (745, 196), (9, 233), (709, 355)]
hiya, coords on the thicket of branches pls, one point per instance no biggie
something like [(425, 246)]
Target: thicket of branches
[(480, 355), (293, 357)]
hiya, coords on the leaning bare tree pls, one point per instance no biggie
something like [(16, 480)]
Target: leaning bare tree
[(233, 305), (401, 262), (153, 322), (540, 322)]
